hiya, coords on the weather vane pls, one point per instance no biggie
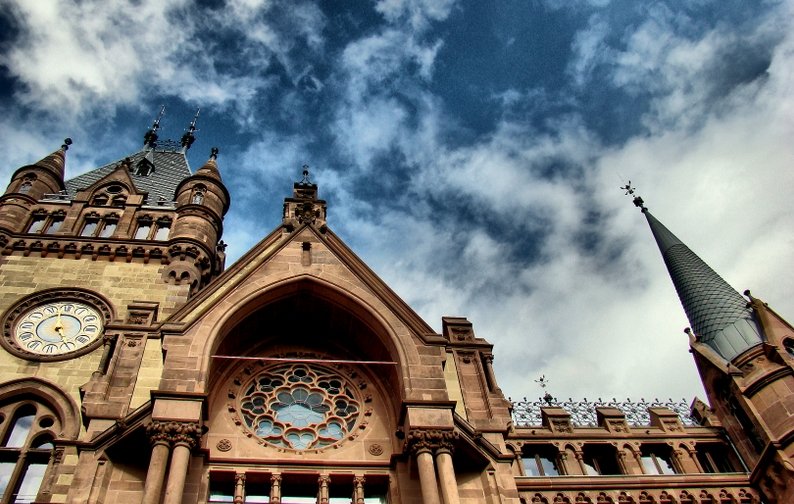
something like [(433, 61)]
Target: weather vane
[(544, 382), (305, 180), (636, 199)]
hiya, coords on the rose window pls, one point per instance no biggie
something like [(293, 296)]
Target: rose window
[(299, 406)]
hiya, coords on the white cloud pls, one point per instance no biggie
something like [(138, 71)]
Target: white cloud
[(418, 13)]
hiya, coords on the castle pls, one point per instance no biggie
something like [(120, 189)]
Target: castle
[(137, 367)]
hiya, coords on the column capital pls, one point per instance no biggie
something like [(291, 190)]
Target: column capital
[(174, 433), (430, 440)]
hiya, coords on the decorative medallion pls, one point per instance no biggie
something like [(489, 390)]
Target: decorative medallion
[(298, 406), (375, 449), (224, 445), (55, 325)]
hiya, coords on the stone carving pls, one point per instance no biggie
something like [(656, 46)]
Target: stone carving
[(173, 433), (375, 449), (224, 445), (432, 440)]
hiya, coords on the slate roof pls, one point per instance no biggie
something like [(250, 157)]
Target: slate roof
[(718, 314), (170, 168)]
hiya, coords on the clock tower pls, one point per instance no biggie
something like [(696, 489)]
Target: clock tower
[(89, 265)]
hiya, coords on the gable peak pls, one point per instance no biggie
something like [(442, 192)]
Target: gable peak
[(304, 207)]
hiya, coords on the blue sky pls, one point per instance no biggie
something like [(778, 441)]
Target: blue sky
[(470, 152)]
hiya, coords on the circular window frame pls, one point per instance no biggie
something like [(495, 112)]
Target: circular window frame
[(32, 301), (351, 388)]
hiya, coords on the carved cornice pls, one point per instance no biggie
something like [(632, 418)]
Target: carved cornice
[(430, 440), (174, 433)]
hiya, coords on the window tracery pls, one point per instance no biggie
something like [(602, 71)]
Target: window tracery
[(299, 406), (27, 443)]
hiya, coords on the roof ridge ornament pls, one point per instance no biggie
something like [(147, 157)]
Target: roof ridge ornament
[(66, 143), (150, 138)]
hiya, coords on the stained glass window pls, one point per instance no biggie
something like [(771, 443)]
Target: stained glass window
[(299, 406)]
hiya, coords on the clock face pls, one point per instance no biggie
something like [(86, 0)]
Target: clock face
[(58, 328)]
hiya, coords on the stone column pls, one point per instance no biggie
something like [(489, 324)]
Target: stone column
[(322, 493), (275, 489), (358, 490), (185, 436), (422, 443), (108, 342), (239, 488), (446, 471), (490, 377), (686, 457), (580, 460), (427, 476), (161, 449)]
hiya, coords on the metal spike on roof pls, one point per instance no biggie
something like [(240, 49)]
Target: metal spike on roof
[(188, 138), (150, 138)]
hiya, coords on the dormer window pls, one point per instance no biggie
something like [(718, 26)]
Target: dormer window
[(100, 200), (114, 194), (144, 168)]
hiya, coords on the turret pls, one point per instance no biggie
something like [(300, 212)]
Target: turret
[(29, 184), (202, 200), (741, 352)]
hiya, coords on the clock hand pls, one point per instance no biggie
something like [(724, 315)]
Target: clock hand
[(59, 325)]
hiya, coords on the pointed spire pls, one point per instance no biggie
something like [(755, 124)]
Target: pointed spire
[(56, 162), (210, 168), (150, 138), (188, 138), (719, 315)]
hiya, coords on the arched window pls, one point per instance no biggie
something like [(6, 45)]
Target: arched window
[(144, 228), (109, 226), (657, 459), (163, 229), (27, 183), (37, 223), (27, 430), (198, 195), (788, 344), (540, 460)]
